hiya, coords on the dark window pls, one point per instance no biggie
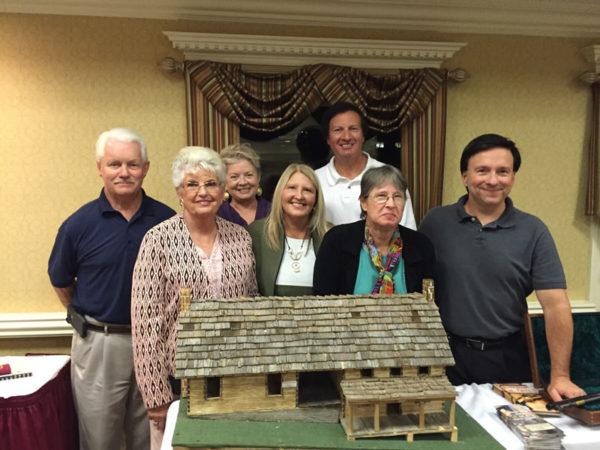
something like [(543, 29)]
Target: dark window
[(366, 373), (213, 387), (396, 372), (274, 384), (394, 409), (424, 370)]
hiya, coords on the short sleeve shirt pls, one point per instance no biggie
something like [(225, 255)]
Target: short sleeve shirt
[(485, 273), (342, 195), (97, 247)]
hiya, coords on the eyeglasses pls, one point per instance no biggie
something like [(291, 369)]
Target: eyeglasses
[(383, 198), (194, 187)]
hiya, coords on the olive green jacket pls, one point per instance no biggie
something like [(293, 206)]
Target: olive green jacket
[(268, 260)]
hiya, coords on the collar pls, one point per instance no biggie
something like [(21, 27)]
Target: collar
[(333, 177), (145, 208), (506, 220)]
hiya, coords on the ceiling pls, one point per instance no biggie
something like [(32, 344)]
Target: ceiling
[(565, 18)]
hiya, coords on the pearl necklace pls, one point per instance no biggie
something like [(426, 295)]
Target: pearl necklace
[(295, 256)]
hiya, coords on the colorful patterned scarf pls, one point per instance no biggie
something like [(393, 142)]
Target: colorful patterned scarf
[(385, 281)]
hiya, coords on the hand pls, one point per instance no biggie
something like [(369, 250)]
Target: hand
[(158, 416), (562, 387)]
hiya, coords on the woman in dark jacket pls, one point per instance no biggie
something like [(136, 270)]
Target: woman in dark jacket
[(375, 255)]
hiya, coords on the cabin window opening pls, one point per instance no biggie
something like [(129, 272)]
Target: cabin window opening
[(396, 372), (394, 409), (424, 370), (274, 384), (212, 387), (366, 373)]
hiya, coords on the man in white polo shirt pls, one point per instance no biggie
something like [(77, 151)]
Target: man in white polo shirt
[(345, 127)]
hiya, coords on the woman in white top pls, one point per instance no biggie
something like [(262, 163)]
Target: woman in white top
[(285, 243)]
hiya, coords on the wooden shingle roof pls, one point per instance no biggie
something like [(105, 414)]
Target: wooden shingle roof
[(398, 389), (281, 334)]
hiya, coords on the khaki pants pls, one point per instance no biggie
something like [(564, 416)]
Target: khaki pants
[(107, 399)]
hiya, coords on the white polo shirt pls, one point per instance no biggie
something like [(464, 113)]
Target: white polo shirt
[(341, 195)]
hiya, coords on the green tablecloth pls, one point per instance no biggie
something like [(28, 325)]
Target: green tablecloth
[(213, 433)]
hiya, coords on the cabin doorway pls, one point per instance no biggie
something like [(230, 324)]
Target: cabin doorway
[(319, 388)]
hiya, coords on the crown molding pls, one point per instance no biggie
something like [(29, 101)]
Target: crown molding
[(300, 51), (573, 18)]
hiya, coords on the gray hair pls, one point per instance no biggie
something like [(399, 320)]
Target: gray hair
[(236, 152), (192, 159), (123, 135), (377, 177)]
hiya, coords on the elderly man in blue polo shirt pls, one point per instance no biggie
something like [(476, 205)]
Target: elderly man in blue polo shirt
[(90, 268), (489, 257)]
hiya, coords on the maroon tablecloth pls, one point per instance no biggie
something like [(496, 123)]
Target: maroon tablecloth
[(44, 420)]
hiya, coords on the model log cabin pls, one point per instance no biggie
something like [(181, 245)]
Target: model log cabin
[(381, 358)]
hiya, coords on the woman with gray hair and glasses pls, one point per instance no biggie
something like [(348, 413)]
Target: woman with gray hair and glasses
[(375, 255), (195, 250)]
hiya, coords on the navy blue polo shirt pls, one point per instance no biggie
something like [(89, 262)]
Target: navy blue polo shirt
[(97, 247), (485, 273)]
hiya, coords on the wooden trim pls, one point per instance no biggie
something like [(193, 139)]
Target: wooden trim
[(31, 325), (531, 350)]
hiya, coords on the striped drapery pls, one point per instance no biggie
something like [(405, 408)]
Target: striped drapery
[(591, 198), (207, 126), (423, 153), (223, 97)]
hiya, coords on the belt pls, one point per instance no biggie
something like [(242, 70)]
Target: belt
[(109, 329), (482, 344)]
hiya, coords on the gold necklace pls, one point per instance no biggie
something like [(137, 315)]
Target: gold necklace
[(295, 256)]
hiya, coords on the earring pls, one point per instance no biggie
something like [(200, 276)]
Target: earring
[(226, 196), (180, 202), (259, 191)]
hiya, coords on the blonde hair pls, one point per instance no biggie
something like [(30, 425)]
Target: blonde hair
[(236, 152), (317, 224)]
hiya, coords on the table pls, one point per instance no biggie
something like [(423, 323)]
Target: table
[(479, 401), (37, 412)]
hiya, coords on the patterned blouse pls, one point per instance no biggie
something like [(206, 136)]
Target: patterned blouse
[(168, 260)]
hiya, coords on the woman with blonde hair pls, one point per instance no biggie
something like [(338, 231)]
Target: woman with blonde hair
[(243, 201), (285, 243)]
